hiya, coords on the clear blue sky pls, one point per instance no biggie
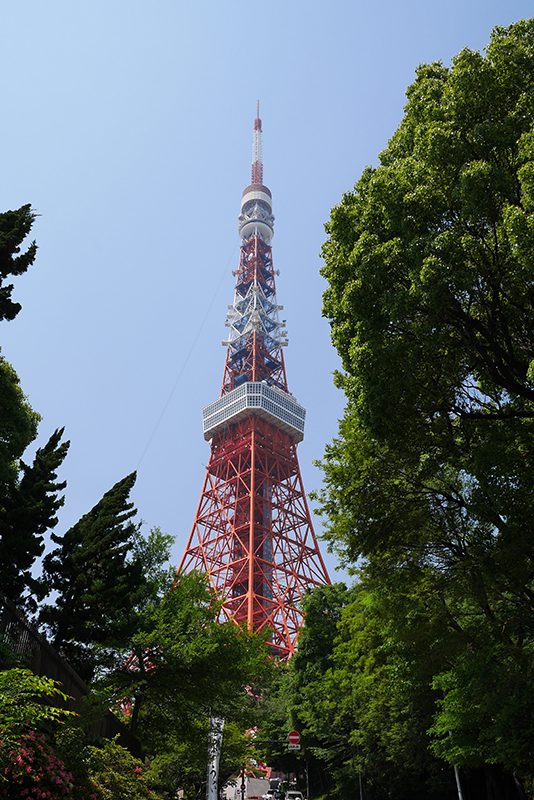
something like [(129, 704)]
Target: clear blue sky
[(127, 125)]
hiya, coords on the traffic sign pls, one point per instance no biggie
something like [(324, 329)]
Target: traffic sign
[(293, 737), (293, 746)]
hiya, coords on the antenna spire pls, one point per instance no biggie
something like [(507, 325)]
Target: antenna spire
[(257, 164)]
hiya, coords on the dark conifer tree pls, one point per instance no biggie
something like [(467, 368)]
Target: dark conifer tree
[(14, 227), (28, 510), (18, 426), (28, 495), (94, 579)]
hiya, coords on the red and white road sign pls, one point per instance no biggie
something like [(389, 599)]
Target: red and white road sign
[(293, 737)]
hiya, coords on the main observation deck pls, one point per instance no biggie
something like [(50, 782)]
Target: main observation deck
[(260, 399)]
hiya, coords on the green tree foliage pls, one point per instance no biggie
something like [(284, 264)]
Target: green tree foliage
[(26, 703), (157, 645), (28, 766), (95, 580), (18, 426), (429, 263), (31, 766), (28, 511), (276, 720), (362, 699), (14, 228), (165, 678), (187, 666), (316, 705), (153, 553), (114, 774)]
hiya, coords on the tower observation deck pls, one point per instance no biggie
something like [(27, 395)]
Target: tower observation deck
[(252, 533)]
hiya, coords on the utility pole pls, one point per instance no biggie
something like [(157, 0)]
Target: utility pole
[(458, 783), (243, 785), (214, 756)]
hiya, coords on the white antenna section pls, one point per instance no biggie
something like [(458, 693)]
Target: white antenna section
[(257, 163)]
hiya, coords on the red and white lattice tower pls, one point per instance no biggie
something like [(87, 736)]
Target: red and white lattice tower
[(253, 534)]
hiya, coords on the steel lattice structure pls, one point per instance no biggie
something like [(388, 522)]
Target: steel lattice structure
[(252, 534)]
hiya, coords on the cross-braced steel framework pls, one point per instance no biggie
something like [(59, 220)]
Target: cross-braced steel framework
[(252, 534)]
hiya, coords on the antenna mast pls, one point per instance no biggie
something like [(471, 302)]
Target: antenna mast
[(257, 164)]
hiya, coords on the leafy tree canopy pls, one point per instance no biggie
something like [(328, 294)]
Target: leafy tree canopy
[(188, 666), (429, 263), (24, 706), (429, 260), (430, 299), (18, 426), (114, 774), (364, 707)]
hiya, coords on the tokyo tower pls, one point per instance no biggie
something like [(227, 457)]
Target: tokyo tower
[(252, 534)]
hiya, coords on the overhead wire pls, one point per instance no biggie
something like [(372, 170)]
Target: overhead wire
[(189, 353)]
